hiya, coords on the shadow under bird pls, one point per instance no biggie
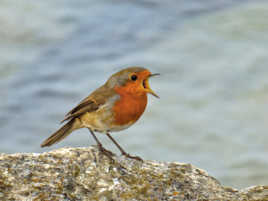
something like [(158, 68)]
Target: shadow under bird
[(114, 106)]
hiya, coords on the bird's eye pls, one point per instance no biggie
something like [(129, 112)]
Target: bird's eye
[(134, 77)]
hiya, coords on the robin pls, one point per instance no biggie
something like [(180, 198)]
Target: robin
[(114, 106)]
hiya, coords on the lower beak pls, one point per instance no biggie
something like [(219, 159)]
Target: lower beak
[(153, 93), (147, 86)]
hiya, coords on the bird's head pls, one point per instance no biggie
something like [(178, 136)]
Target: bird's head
[(133, 80)]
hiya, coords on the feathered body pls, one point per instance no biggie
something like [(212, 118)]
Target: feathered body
[(115, 106)]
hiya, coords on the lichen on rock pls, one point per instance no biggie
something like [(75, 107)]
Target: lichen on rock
[(81, 174)]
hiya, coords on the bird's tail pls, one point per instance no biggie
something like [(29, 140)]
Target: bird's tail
[(62, 133)]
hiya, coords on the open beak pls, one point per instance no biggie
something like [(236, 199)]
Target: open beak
[(147, 86)]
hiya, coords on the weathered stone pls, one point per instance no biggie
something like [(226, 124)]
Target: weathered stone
[(85, 174)]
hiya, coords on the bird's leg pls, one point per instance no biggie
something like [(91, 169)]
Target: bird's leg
[(122, 150), (101, 148)]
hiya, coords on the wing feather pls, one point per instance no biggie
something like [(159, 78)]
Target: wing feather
[(90, 103), (86, 106)]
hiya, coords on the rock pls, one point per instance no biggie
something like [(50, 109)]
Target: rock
[(80, 174)]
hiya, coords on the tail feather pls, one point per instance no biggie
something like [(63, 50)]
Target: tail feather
[(60, 134)]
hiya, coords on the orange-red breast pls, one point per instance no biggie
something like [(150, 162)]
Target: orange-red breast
[(114, 106)]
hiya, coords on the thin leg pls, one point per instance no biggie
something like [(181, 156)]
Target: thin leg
[(101, 148), (122, 150)]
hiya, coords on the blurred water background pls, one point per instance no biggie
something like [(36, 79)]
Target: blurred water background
[(212, 56)]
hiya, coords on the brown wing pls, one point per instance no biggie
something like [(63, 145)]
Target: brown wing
[(84, 106), (91, 103)]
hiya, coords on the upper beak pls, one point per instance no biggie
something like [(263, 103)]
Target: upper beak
[(154, 74), (149, 90)]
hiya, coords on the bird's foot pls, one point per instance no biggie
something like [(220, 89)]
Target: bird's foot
[(106, 152), (132, 157)]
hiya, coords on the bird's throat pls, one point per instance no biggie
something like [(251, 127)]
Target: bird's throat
[(129, 107)]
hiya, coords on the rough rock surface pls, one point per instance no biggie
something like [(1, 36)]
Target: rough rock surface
[(85, 174)]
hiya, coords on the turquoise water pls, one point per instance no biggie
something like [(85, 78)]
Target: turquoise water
[(213, 61)]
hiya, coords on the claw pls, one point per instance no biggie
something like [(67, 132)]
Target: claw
[(106, 152), (133, 157)]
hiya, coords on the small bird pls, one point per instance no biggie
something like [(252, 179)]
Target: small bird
[(114, 106)]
